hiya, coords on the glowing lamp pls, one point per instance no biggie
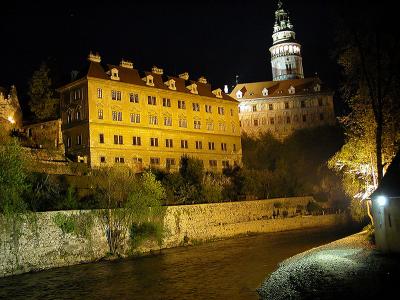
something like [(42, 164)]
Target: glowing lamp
[(11, 119), (382, 200)]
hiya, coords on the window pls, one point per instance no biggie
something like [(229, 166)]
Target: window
[(169, 162), (134, 98), (320, 102), (223, 147), (221, 111), (302, 103), (69, 144), (210, 126), (166, 102), (151, 100), (117, 116), (272, 121), (196, 124), (304, 118), (100, 114), (213, 163), (69, 118), (154, 142), (211, 146), (101, 138), (102, 159), (255, 122), (120, 160), (270, 106), (208, 108), (225, 164), (169, 143), (153, 120), (99, 93), (136, 141), (116, 95), (286, 105), (231, 112), (184, 144), (118, 139), (154, 160), (287, 120), (183, 123), (222, 127), (321, 116), (254, 108), (137, 160), (78, 115), (181, 104), (234, 148), (79, 139), (196, 107), (135, 118), (168, 121), (199, 145)]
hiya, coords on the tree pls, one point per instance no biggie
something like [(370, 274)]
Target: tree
[(368, 55), (126, 199), (13, 178), (43, 103)]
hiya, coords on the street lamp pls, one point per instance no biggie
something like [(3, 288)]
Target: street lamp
[(382, 200)]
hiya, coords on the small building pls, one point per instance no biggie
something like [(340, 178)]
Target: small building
[(43, 135), (386, 209)]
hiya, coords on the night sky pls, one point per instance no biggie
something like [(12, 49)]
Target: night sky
[(217, 39)]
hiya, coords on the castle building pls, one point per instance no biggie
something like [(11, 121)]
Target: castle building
[(10, 110), (116, 116), (290, 101)]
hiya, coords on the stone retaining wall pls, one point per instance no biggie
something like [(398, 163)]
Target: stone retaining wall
[(40, 244)]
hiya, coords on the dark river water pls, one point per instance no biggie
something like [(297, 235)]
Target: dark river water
[(228, 269)]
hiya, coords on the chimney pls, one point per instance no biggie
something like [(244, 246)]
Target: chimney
[(126, 64), (74, 75), (184, 76), (94, 57), (202, 79), (156, 70)]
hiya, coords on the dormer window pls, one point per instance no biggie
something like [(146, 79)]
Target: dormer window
[(193, 88), (171, 84), (239, 94), (317, 88), (265, 92), (149, 80), (114, 74), (291, 90), (217, 93)]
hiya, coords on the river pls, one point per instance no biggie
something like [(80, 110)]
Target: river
[(228, 269)]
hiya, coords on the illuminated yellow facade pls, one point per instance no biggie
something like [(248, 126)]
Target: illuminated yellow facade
[(119, 117)]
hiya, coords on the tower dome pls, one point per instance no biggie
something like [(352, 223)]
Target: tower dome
[(286, 57)]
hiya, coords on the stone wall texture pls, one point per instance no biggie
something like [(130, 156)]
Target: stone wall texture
[(38, 243)]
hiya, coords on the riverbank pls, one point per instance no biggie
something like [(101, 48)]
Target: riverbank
[(63, 238), (349, 268)]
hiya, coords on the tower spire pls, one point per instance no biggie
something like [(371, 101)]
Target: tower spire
[(286, 57)]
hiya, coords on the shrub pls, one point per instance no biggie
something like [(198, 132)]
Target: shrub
[(145, 231), (64, 222)]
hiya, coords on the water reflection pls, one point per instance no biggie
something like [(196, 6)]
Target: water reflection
[(229, 269)]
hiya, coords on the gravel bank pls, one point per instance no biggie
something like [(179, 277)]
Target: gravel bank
[(347, 268)]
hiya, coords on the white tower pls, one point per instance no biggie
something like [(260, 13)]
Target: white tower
[(286, 58)]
